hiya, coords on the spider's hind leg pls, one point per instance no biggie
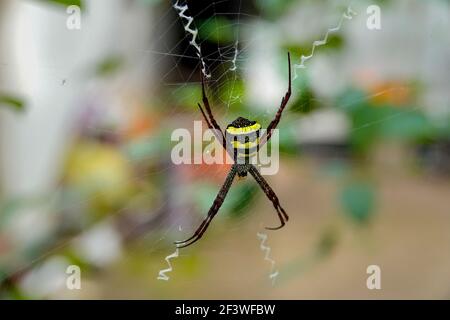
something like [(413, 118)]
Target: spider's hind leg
[(282, 215), (212, 211)]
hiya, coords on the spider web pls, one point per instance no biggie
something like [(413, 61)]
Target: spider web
[(224, 68), (225, 65)]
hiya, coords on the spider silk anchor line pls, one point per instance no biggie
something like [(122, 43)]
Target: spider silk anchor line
[(162, 273), (273, 273), (181, 9), (347, 15), (233, 62)]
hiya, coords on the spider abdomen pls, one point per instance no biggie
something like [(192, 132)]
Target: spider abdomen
[(243, 138)]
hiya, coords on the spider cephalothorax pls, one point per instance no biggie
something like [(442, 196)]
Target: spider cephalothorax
[(242, 141)]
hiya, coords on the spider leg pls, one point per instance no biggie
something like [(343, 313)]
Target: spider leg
[(266, 136), (212, 211), (218, 136), (282, 215), (212, 121), (205, 117)]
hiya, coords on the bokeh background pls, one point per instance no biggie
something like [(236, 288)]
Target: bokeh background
[(86, 177)]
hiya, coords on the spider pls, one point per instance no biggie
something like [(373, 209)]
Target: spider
[(241, 140)]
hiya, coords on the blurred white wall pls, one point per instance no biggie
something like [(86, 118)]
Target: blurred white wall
[(50, 66)]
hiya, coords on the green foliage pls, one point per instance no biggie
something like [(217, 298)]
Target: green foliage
[(146, 148), (405, 124), (79, 3), (442, 129), (335, 42), (305, 101), (204, 194), (234, 92), (188, 96), (237, 201), (241, 197), (336, 168), (12, 102), (217, 30), (273, 9), (371, 123), (327, 242), (109, 66), (288, 139), (358, 200)]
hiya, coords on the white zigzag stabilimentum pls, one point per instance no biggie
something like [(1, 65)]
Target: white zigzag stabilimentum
[(347, 15), (181, 9), (273, 273), (162, 273)]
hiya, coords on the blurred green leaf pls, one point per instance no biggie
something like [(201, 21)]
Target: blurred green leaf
[(336, 168), (371, 123), (79, 3), (406, 124), (149, 148), (273, 9), (365, 127), (109, 66), (204, 194), (217, 29), (335, 42), (358, 200), (188, 96), (237, 201), (288, 138), (442, 128), (305, 102), (12, 102), (241, 197), (232, 94), (327, 242), (351, 100)]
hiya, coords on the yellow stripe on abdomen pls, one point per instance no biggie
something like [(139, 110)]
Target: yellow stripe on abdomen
[(244, 140), (244, 130), (247, 145)]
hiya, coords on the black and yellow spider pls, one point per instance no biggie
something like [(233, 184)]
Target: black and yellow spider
[(242, 141)]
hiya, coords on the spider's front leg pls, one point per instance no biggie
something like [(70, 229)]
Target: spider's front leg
[(282, 215), (273, 125), (212, 211), (209, 117)]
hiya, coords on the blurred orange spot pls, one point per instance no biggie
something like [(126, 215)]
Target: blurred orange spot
[(203, 171), (393, 92), (140, 125)]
